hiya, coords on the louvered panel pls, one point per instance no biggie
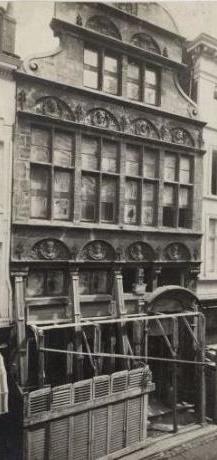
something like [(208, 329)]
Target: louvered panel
[(134, 420), (80, 439), (37, 444), (101, 386), (61, 396), (136, 378), (100, 432), (59, 439), (39, 401), (117, 439), (119, 381), (82, 391)]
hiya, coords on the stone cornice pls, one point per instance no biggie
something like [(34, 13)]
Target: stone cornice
[(203, 45)]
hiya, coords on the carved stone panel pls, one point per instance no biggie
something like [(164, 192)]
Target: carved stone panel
[(50, 249), (176, 252), (142, 127), (98, 251), (181, 136), (53, 107), (102, 119), (140, 251)]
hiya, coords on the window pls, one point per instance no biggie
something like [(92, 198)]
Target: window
[(101, 71), (212, 247), (142, 83), (99, 190), (46, 283), (177, 199), (140, 194), (214, 173), (52, 161), (94, 282)]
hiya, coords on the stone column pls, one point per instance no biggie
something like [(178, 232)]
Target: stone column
[(19, 308)]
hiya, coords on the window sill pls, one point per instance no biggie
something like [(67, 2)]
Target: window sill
[(95, 297)]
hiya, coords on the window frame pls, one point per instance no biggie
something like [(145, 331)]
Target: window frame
[(102, 53), (178, 185), (143, 67)]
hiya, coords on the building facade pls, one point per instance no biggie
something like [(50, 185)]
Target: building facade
[(106, 212), (202, 52)]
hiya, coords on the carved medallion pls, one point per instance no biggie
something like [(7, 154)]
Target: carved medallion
[(181, 136), (98, 251), (140, 251), (177, 251), (50, 249)]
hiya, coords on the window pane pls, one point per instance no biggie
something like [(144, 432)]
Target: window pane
[(62, 195), (62, 149), (110, 84), (211, 249), (150, 96), (132, 160), (110, 64), (151, 77), (55, 282), (90, 57), (214, 173), (108, 199), (91, 78), (149, 167), (35, 284), (109, 156), (169, 195), (40, 145), (39, 192), (93, 282), (133, 71), (88, 196), (131, 202), (185, 170), (148, 203), (133, 91), (170, 167), (89, 152), (184, 197)]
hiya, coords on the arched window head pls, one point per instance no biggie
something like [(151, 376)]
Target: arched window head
[(104, 26), (146, 42)]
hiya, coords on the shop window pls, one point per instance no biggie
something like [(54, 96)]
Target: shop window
[(41, 283), (94, 282), (51, 187), (101, 71), (143, 83), (214, 173), (131, 202)]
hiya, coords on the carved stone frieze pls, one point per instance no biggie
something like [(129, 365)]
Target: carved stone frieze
[(181, 136), (53, 107), (176, 252), (142, 127), (140, 251), (102, 119), (50, 249), (79, 112), (98, 251), (119, 253), (165, 134)]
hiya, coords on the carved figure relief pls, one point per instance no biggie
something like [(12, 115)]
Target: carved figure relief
[(53, 107), (104, 26), (79, 113), (144, 128), (140, 251), (146, 42), (21, 99), (98, 251), (165, 134), (50, 249), (124, 122), (181, 136), (177, 251), (102, 119)]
